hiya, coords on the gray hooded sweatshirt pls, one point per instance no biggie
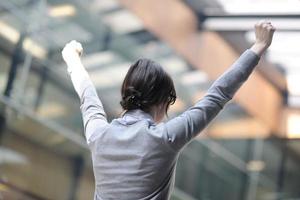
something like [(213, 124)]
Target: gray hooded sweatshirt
[(133, 157)]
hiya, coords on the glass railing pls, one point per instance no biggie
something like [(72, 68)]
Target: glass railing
[(240, 169)]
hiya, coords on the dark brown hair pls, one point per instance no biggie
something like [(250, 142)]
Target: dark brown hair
[(146, 84)]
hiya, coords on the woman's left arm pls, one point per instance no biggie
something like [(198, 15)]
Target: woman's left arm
[(186, 126)]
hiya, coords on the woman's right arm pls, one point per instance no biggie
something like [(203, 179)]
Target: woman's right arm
[(94, 117), (186, 126)]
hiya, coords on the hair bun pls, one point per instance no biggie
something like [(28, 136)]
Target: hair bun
[(132, 99)]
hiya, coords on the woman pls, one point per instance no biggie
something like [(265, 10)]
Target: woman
[(134, 157)]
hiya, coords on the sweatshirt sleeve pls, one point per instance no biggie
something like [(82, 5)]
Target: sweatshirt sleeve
[(93, 114), (181, 129)]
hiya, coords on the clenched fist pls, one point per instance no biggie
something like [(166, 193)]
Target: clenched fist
[(264, 34), (72, 52)]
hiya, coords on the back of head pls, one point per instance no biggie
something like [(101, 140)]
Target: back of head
[(147, 84)]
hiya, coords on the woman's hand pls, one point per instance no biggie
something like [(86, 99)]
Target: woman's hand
[(72, 52), (264, 34)]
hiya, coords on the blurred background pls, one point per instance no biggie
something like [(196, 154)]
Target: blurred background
[(250, 151)]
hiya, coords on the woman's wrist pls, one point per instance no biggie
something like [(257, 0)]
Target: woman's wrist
[(75, 60), (259, 48), (74, 64)]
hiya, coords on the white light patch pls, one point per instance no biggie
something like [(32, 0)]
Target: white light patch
[(293, 83), (194, 77), (294, 101), (34, 48), (284, 49), (250, 36), (110, 76), (173, 64), (8, 156), (229, 24), (293, 126), (13, 35), (101, 58), (51, 110), (123, 22), (288, 61), (3, 79), (284, 42), (261, 7), (255, 165), (9, 32), (104, 5), (64, 10)]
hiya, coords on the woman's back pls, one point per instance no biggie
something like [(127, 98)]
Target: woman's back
[(133, 160)]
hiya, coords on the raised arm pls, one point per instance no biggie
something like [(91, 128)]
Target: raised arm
[(94, 117), (183, 128)]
